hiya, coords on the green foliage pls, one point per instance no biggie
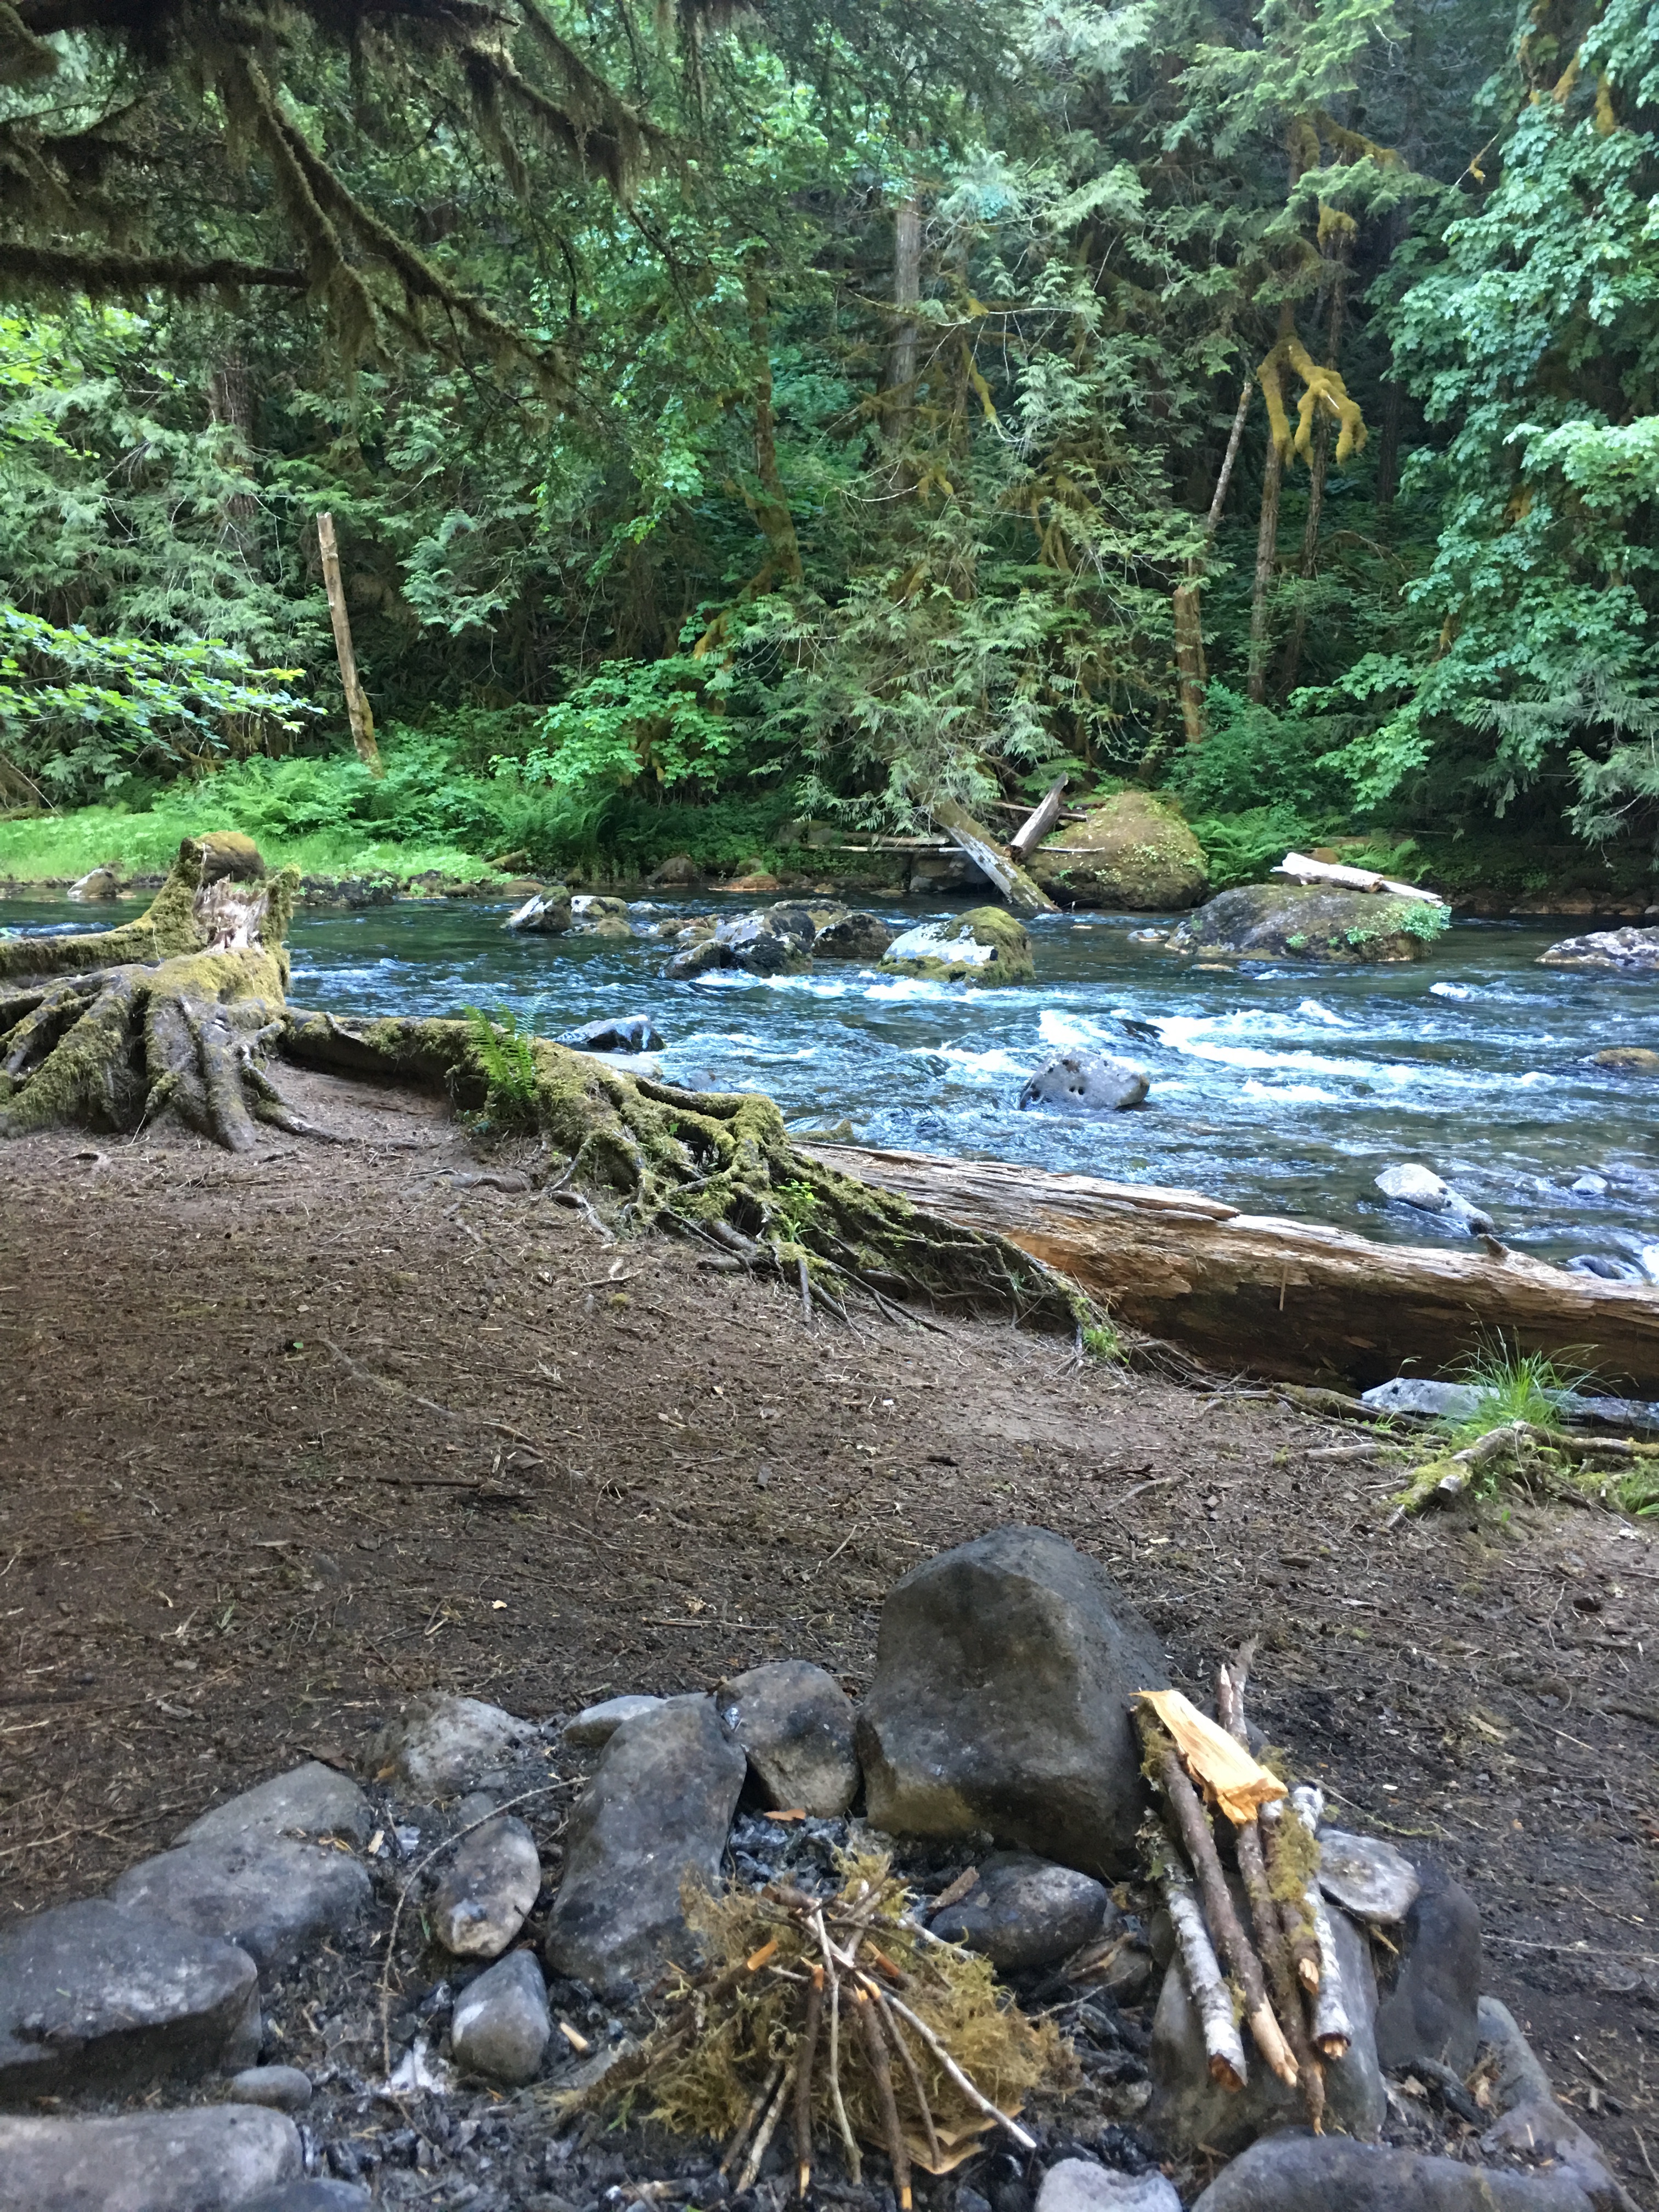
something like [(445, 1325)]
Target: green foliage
[(505, 1054), (1514, 1386)]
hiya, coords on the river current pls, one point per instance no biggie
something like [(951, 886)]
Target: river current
[(1279, 1088)]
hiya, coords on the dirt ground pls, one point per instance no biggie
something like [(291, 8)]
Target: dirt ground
[(290, 1435)]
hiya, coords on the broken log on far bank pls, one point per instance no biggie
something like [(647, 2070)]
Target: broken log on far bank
[(1295, 1301)]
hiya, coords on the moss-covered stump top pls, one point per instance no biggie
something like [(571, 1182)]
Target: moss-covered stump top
[(987, 946), (1309, 922), (1134, 851)]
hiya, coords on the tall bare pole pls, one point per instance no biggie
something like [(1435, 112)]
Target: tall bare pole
[(356, 699)]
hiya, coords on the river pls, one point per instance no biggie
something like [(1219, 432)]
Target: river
[(1279, 1088)]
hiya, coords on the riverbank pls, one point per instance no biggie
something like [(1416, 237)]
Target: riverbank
[(236, 1531)]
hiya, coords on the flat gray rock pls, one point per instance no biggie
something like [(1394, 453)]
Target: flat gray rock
[(1412, 1393), (438, 1746), (795, 1722), (279, 2089), (500, 2026), (94, 1997), (659, 1808), (1318, 2174), (1086, 1083), (309, 2196), (273, 1898), (206, 2159), (310, 1800), (485, 1892), (1626, 951), (1522, 2078), (1000, 1702), (1413, 1184), (1025, 1911), (1366, 1876), (1077, 2184), (1431, 2008), (596, 1724), (1189, 2108)]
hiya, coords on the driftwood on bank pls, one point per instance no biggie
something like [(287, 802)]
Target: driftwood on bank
[(1037, 824), (1292, 1300), (1301, 870)]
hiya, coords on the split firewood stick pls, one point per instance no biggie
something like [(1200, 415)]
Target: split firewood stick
[(875, 2045), (974, 2096), (918, 2088), (1223, 2045), (763, 2134), (849, 2141), (1333, 2030), (1234, 1945), (809, 2051), (1264, 1912), (1294, 1914), (751, 2117)]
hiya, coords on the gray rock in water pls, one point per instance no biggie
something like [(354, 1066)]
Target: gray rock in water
[(1189, 2108), (312, 1800), (1413, 1184), (545, 914), (270, 1898), (698, 958), (1409, 1393), (94, 1997), (279, 2089), (776, 941), (1001, 1701), (1432, 2010), (1295, 921), (596, 1724), (438, 1745), (1625, 951), (1026, 1912), (1315, 2173), (1366, 1877), (484, 1895), (659, 1807), (1077, 2184), (1086, 1083), (205, 2160), (98, 883), (626, 1033), (857, 937), (500, 2026), (795, 1722)]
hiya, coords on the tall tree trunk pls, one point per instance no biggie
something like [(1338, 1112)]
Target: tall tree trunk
[(1318, 463), (1188, 611), (1387, 444), (231, 408), (907, 291), (771, 510), (1267, 561), (358, 710)]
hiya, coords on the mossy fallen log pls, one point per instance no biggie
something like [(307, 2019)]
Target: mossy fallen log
[(1291, 1300)]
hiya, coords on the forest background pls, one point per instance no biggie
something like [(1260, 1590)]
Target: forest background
[(813, 413)]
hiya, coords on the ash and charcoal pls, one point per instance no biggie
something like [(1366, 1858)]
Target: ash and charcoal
[(330, 1992)]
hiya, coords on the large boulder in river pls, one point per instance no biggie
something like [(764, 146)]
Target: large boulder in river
[(858, 936), (984, 946), (544, 914), (1134, 851), (1086, 1082), (1000, 1702), (658, 1808), (1309, 922), (1625, 951)]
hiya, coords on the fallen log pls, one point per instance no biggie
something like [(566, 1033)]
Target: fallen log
[(1301, 870), (1294, 1300), (1020, 890), (1037, 824)]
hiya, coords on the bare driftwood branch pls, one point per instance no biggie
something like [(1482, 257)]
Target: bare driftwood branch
[(1333, 2030), (1301, 870), (1222, 2045), (1037, 824)]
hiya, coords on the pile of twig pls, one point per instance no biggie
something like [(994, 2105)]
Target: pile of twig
[(1288, 1980), (844, 2013)]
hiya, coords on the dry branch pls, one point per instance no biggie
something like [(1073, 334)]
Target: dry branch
[(1210, 1995)]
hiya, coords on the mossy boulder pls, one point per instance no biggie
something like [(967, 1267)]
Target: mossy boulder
[(1627, 1059), (1134, 851), (1309, 922), (986, 945)]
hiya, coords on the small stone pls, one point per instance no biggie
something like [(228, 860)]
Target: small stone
[(207, 2159), (273, 1899), (98, 883), (281, 2088), (438, 1745), (1026, 1912), (1413, 1184), (500, 2026), (1432, 2010), (1411, 1394), (95, 1998), (795, 1723), (625, 1033), (1367, 1877), (312, 1800), (1627, 1060), (1086, 1083), (485, 1892), (1296, 2173), (1077, 2184), (596, 1724), (658, 1808)]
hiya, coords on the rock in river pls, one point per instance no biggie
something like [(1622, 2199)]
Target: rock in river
[(857, 936), (1000, 1702), (205, 2160), (1296, 922), (623, 1033), (1025, 1911), (1625, 951), (659, 1807), (1086, 1083), (1134, 851), (1627, 1059), (544, 914), (1413, 1184), (795, 1722), (986, 945)]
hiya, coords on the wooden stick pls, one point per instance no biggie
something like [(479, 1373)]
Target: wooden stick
[(763, 2134), (357, 707), (1333, 2030), (762, 2098), (1295, 1915), (850, 2141), (1231, 1939), (1223, 2045), (975, 2097), (1301, 870), (875, 2044), (918, 2088), (809, 2051)]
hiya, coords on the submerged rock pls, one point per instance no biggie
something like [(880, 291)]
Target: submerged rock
[(1000, 1702), (97, 884), (986, 945), (1025, 1911), (1134, 851), (1298, 921), (1625, 951), (1627, 1059), (1086, 1083), (795, 1723), (1413, 1184)]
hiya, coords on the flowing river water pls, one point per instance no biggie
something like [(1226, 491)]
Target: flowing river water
[(1279, 1088)]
